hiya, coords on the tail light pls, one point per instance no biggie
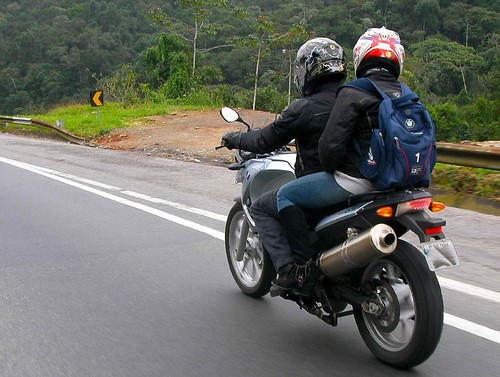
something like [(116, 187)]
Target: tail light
[(386, 211), (413, 206), (433, 230), (437, 206)]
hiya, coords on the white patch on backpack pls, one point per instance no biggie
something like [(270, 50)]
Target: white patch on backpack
[(409, 123)]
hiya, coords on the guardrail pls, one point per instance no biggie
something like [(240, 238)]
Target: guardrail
[(448, 153), (469, 155), (40, 123)]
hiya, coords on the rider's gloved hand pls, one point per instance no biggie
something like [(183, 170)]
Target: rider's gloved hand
[(231, 140)]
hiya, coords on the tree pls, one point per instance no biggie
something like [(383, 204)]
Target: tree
[(53, 51), (199, 12), (471, 26), (378, 8), (444, 59), (166, 66), (260, 40), (428, 12), (289, 43)]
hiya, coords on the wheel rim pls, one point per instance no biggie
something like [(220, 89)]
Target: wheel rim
[(393, 329), (249, 270)]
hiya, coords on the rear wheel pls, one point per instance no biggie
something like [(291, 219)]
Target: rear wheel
[(255, 271), (408, 330)]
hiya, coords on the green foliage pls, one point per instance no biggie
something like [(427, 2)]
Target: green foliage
[(448, 64), (476, 121), (448, 121), (269, 99), (48, 48), (221, 95), (121, 86), (57, 51), (480, 182), (163, 72)]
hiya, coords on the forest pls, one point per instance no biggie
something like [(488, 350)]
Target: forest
[(240, 53)]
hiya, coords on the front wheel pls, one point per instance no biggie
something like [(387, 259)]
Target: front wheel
[(255, 271), (408, 330)]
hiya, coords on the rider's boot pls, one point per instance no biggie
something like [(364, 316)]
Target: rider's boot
[(290, 277), (294, 275), (294, 222), (286, 277)]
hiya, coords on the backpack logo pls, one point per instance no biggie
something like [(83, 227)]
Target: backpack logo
[(416, 170), (409, 123), (402, 150)]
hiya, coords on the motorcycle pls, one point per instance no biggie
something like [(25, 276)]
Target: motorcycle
[(363, 267)]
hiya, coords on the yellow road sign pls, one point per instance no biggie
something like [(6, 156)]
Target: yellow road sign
[(96, 98)]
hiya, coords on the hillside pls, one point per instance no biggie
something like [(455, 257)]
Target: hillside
[(56, 51)]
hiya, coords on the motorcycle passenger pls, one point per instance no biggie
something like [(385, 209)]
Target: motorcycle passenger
[(378, 55), (319, 72)]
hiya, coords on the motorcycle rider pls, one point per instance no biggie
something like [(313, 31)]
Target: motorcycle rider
[(378, 55), (319, 72)]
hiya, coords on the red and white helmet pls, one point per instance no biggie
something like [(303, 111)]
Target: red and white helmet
[(380, 47)]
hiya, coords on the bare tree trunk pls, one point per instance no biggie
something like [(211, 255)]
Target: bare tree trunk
[(466, 33), (462, 71), (289, 78), (256, 77), (195, 37)]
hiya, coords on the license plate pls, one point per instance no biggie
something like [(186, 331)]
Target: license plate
[(440, 254)]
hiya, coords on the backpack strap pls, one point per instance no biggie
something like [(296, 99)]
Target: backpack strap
[(368, 86), (406, 96)]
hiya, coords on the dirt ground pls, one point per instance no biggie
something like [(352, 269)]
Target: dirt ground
[(187, 135)]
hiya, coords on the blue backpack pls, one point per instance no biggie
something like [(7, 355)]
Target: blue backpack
[(402, 150)]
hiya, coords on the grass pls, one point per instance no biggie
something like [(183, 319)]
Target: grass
[(480, 182), (90, 122)]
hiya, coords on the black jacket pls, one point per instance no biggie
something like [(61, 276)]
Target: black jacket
[(303, 120), (354, 115)]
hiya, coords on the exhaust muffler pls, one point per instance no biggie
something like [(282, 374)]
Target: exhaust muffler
[(356, 252)]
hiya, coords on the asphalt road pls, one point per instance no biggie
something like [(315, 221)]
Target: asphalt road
[(112, 264)]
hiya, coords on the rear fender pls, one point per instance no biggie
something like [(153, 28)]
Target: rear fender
[(419, 222)]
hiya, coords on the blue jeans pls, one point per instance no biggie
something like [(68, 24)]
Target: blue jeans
[(267, 221), (312, 191)]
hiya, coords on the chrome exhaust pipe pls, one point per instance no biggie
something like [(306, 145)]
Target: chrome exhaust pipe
[(356, 252)]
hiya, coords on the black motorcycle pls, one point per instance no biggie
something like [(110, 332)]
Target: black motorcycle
[(363, 267)]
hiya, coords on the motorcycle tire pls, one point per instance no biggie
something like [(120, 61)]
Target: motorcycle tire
[(256, 271), (408, 331)]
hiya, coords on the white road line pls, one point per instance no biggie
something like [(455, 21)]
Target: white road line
[(450, 320), (105, 186), (469, 289), (471, 327), (183, 207), (164, 215), (76, 178)]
